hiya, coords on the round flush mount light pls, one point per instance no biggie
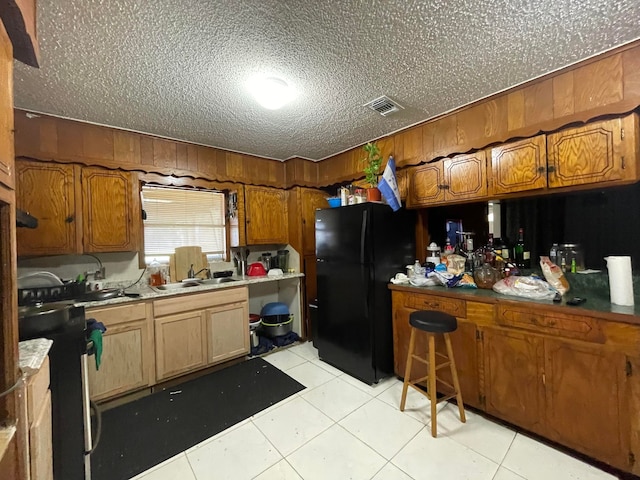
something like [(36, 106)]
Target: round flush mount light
[(271, 92)]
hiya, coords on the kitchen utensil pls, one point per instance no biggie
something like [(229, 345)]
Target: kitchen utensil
[(276, 320), (282, 261), (256, 269)]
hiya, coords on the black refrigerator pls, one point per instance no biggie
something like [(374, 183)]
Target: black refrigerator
[(358, 249)]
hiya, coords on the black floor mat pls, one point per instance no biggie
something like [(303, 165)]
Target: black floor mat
[(143, 433)]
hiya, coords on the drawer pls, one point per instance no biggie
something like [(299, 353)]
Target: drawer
[(199, 301), (127, 312), (552, 323), (452, 306)]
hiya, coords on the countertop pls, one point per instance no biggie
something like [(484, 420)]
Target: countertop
[(32, 353), (146, 292), (597, 305)]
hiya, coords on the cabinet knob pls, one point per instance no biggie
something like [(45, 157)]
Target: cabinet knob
[(541, 169), (69, 219), (551, 168)]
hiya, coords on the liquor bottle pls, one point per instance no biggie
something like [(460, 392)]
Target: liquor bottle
[(521, 252), (489, 252)]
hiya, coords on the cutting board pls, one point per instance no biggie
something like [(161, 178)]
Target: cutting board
[(184, 258)]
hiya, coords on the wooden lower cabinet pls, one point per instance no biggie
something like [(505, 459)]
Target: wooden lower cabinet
[(180, 344), (465, 351), (127, 359), (569, 378), (585, 396), (40, 442), (513, 377), (227, 332), (199, 330)]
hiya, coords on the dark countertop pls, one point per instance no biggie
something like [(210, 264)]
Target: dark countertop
[(597, 305)]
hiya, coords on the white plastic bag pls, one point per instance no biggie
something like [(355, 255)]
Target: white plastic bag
[(528, 287)]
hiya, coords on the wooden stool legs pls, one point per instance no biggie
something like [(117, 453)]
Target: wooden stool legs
[(432, 378)]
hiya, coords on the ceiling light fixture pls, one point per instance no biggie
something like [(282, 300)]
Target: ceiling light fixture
[(271, 92)]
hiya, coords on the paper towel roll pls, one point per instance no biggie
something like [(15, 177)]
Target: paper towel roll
[(620, 281)]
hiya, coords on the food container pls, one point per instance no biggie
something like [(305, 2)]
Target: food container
[(276, 320), (570, 257), (334, 202), (256, 269)]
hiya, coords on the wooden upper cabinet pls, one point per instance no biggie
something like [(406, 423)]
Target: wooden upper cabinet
[(460, 178), (574, 374), (425, 185), (111, 210), (465, 176), (598, 152), (312, 200), (48, 191), (518, 166), (266, 215), (513, 386)]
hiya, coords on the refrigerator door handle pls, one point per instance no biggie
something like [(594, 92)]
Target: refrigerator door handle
[(363, 234)]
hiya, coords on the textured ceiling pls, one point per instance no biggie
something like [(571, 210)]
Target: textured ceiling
[(177, 69)]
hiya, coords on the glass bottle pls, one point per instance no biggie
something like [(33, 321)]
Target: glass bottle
[(521, 252), (553, 254), (490, 252)]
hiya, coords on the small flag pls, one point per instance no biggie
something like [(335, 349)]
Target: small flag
[(388, 185)]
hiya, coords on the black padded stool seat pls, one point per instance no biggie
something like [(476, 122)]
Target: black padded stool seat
[(433, 321)]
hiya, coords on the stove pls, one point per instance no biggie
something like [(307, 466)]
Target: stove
[(65, 324)]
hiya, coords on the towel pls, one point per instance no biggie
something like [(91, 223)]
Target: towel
[(96, 337), (96, 329)]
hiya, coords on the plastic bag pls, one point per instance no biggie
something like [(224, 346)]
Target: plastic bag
[(553, 274), (528, 287)]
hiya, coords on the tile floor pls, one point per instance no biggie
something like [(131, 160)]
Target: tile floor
[(341, 428)]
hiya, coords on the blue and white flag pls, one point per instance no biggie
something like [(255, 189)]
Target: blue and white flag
[(388, 185)]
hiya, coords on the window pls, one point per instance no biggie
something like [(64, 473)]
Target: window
[(179, 218)]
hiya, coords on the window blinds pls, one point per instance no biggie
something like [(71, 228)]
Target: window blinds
[(178, 218)]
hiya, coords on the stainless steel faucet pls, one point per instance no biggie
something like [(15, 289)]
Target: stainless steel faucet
[(191, 273)]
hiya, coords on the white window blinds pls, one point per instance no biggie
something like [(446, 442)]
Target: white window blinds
[(179, 218)]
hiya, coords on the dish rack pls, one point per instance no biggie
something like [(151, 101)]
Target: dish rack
[(66, 291)]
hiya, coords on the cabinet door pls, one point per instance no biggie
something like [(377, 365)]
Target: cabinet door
[(465, 176), (311, 201), (598, 152), (513, 377), (125, 362), (40, 442), (465, 352), (48, 192), (586, 400), (227, 332), (425, 185), (111, 211), (181, 344), (266, 215), (519, 166)]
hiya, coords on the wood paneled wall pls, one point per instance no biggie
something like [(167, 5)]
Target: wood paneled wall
[(43, 137), (606, 85)]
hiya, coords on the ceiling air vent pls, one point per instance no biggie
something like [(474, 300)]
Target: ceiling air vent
[(384, 105)]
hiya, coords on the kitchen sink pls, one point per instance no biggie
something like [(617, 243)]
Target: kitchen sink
[(196, 282), (216, 281)]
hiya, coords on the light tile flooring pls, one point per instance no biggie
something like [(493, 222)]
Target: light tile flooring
[(341, 428)]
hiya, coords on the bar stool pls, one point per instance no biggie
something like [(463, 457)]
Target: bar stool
[(432, 322)]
